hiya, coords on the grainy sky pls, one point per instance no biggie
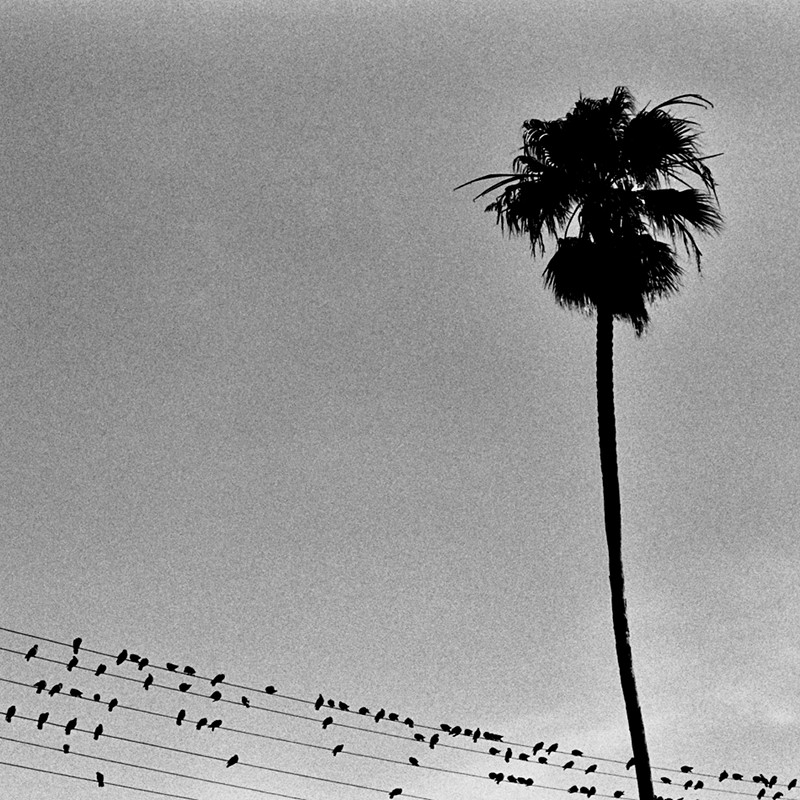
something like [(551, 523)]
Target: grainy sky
[(277, 402)]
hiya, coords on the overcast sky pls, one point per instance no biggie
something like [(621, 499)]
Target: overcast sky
[(276, 402)]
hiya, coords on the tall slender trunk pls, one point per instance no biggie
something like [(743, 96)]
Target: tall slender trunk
[(613, 519)]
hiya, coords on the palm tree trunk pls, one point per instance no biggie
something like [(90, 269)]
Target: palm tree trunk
[(613, 520)]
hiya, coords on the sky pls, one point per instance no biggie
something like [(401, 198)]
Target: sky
[(278, 403)]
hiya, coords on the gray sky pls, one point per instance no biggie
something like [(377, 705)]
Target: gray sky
[(277, 403)]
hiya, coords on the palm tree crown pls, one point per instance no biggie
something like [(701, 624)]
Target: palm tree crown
[(613, 168)]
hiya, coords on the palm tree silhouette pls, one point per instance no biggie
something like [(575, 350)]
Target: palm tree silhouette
[(613, 169)]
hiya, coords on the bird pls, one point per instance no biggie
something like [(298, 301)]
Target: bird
[(476, 735), (171, 667), (363, 710), (590, 768), (122, 656), (338, 749), (394, 793), (100, 779), (433, 741), (76, 693), (507, 756), (631, 762), (666, 780), (523, 756), (32, 652), (134, 657), (568, 765), (218, 679), (143, 662), (553, 747), (699, 785), (572, 789), (408, 721), (327, 721), (331, 703), (419, 737), (577, 753), (56, 689), (445, 727), (76, 644), (772, 781), (619, 793), (184, 687), (180, 717), (188, 671), (113, 703), (96, 698), (792, 784), (737, 776), (40, 686), (413, 761), (455, 731), (245, 702), (65, 748), (216, 695), (214, 725), (73, 662), (98, 731), (542, 759), (202, 721), (10, 711), (320, 701), (723, 775), (687, 785), (592, 790), (101, 668), (494, 751), (537, 747), (148, 681), (380, 715), (270, 690), (497, 777), (777, 795), (70, 726), (42, 719), (684, 768), (343, 706), (761, 792), (511, 779), (232, 760)]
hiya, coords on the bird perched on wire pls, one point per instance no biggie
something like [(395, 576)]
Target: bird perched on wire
[(76, 693), (122, 656), (568, 765), (577, 753), (245, 702), (327, 721), (590, 768), (433, 741), (101, 668), (32, 652), (148, 681), (232, 760), (42, 719), (181, 716), (70, 726), (218, 679), (537, 747), (216, 696), (113, 703), (380, 715), (553, 747), (143, 662), (413, 761), (188, 670), (73, 662), (100, 779), (171, 667), (686, 768), (320, 701), (10, 711), (214, 725), (98, 731), (394, 793), (201, 722), (76, 644), (338, 749), (270, 690), (507, 756), (184, 687), (343, 706), (40, 686), (56, 689)]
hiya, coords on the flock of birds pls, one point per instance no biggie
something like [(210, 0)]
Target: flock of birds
[(539, 753)]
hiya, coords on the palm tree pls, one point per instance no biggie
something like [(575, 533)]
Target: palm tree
[(613, 169)]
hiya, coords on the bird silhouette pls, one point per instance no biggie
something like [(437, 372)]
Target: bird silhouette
[(188, 671), (338, 749), (433, 741), (215, 696), (772, 781), (577, 753), (270, 690), (76, 644), (394, 793), (320, 701), (413, 761), (65, 748), (218, 679), (73, 662), (245, 702), (184, 687), (455, 731), (419, 737), (537, 747), (100, 779), (508, 754), (148, 681), (380, 715), (327, 721), (569, 765), (10, 711), (523, 756), (96, 698), (122, 656), (181, 715), (40, 686), (101, 668), (699, 785), (232, 760), (476, 735), (777, 795), (591, 791), (553, 747), (687, 785), (619, 793), (113, 703), (497, 777), (76, 693), (331, 703), (792, 784), (494, 751), (143, 662), (445, 727), (134, 657), (723, 775), (761, 793), (542, 759), (42, 719), (214, 725), (70, 726), (737, 776), (666, 780), (394, 717), (590, 768), (685, 768), (343, 706), (32, 652), (201, 722), (171, 667), (98, 731), (572, 789), (56, 689), (363, 710), (408, 721)]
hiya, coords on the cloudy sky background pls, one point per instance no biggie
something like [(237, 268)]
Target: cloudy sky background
[(277, 402)]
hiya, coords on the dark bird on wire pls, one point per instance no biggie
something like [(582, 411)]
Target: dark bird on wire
[(181, 716), (508, 755), (699, 785), (408, 721), (542, 759), (363, 710), (723, 775), (245, 702), (40, 686), (394, 793), (214, 725), (494, 751), (413, 761), (553, 747), (792, 784), (523, 756), (56, 689), (761, 793), (687, 785), (76, 693), (590, 768), (572, 789), (216, 695), (568, 765), (65, 748), (70, 726), (184, 687), (737, 776), (666, 780), (101, 668), (100, 779), (73, 662), (201, 722), (188, 671), (32, 652), (134, 657), (113, 703), (338, 749), (98, 731), (476, 735), (419, 737), (577, 753), (433, 741), (171, 667), (10, 713), (327, 721), (76, 644), (331, 703), (42, 719), (772, 781), (684, 768), (232, 760), (319, 703), (143, 662), (497, 777), (777, 795), (122, 656), (343, 706), (619, 793), (218, 679), (394, 717), (96, 698), (270, 690), (380, 715), (537, 747), (148, 681)]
